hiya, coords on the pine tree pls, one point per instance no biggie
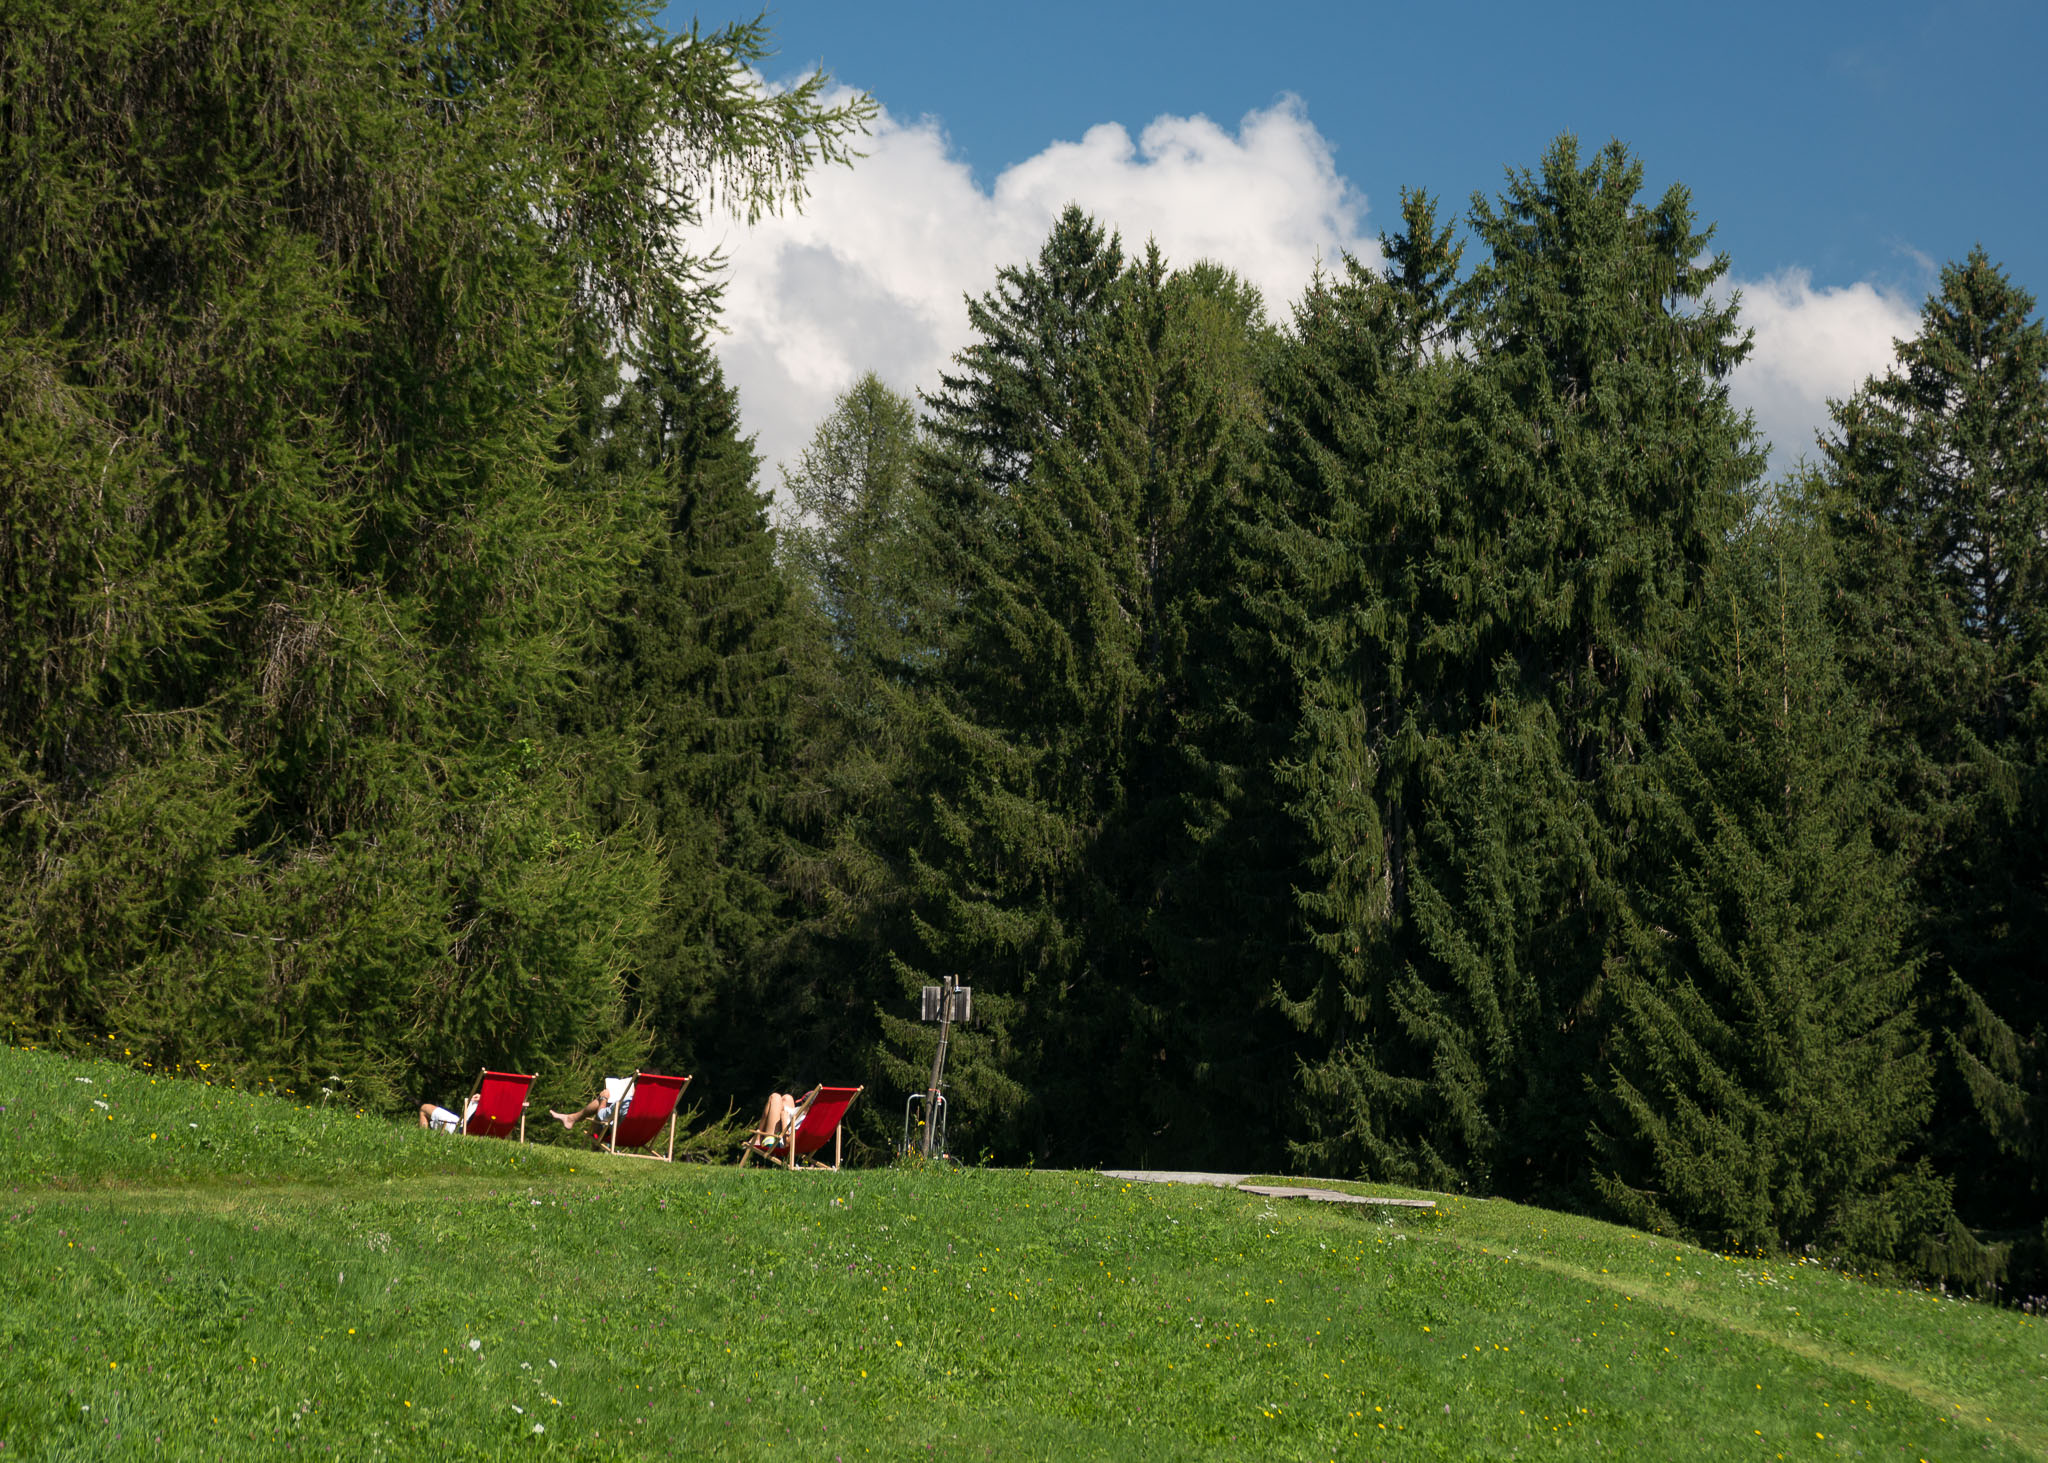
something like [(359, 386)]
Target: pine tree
[(1592, 466), (1939, 512), (1766, 1083), (1199, 859), (988, 861)]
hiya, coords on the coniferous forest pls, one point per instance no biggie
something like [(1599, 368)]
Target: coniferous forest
[(1400, 732)]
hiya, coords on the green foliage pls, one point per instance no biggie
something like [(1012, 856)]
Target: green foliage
[(694, 671), (1937, 476), (857, 540), (1086, 468), (1767, 1080), (1531, 518), (298, 309), (873, 627), (1360, 397), (991, 873)]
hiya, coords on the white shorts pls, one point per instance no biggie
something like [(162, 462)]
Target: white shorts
[(443, 1121)]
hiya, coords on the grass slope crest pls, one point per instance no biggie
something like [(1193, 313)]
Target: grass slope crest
[(187, 1271)]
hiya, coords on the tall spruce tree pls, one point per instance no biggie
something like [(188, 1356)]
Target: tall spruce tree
[(990, 862), (1083, 464), (697, 666), (1592, 465), (1201, 857), (1361, 396), (1938, 472), (1765, 1082), (298, 310)]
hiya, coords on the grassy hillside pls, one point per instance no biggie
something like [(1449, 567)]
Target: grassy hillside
[(189, 1272)]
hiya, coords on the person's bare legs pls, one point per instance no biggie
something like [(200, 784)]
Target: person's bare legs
[(775, 1114), (569, 1120), (779, 1118), (427, 1114)]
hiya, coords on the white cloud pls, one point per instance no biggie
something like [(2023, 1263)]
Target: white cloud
[(872, 274), (1812, 344)]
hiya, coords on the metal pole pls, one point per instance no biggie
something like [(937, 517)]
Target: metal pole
[(933, 1095)]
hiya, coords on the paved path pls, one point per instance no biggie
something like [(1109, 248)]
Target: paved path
[(1269, 1191)]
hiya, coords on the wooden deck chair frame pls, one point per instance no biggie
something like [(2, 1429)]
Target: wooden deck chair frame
[(609, 1141), (784, 1152), (487, 1085)]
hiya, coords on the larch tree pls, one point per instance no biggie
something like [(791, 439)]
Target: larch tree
[(301, 313)]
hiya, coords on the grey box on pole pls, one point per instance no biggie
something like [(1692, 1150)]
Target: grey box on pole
[(934, 1003)]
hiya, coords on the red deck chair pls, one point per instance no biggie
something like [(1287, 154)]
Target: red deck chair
[(649, 1100), (817, 1123), (501, 1106)]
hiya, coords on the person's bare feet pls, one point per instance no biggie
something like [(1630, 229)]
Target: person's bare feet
[(566, 1119)]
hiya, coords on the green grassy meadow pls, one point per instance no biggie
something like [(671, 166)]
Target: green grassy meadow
[(187, 1271)]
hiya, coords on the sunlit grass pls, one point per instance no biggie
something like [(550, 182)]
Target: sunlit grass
[(93, 1123), (437, 1299)]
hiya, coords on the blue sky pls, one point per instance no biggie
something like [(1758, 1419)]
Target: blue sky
[(1847, 139), (1862, 145)]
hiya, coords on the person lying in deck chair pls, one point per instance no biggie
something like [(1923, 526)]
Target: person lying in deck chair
[(599, 1107), (781, 1115), (433, 1115)]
